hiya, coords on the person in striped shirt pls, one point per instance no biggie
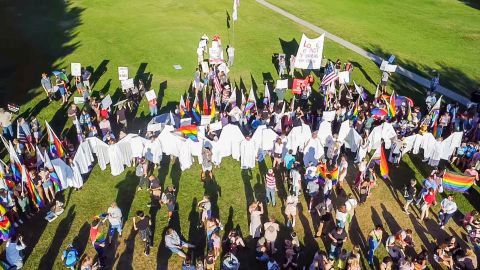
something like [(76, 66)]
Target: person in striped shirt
[(270, 187)]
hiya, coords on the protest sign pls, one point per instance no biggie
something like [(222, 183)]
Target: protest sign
[(296, 86), (383, 65), (127, 84), (150, 95), (344, 77), (216, 126), (309, 54), (206, 119), (223, 67), (185, 121), (202, 43), (122, 73), (391, 68), (282, 84), (205, 67), (76, 69), (328, 116), (106, 101), (78, 100)]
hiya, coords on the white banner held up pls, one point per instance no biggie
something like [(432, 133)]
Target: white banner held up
[(344, 77), (150, 95), (309, 54), (328, 116), (282, 84), (127, 84), (76, 69), (122, 73)]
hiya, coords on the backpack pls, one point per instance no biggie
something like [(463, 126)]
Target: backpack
[(71, 257)]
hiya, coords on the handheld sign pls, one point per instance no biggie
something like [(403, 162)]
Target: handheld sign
[(296, 86), (76, 69), (150, 95), (122, 73), (78, 100), (127, 84), (206, 119), (282, 84), (344, 77), (106, 101)]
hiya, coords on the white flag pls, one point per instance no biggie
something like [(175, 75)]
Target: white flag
[(236, 3), (267, 93)]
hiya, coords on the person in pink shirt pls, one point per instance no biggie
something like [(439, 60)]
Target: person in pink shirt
[(472, 172)]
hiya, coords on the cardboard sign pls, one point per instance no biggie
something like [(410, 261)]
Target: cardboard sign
[(216, 126), (328, 116), (107, 101), (150, 95), (202, 43), (78, 100), (127, 84), (296, 86), (344, 77), (206, 119), (76, 69), (122, 73), (185, 121), (282, 84), (205, 67)]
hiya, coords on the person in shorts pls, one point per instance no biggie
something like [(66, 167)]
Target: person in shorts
[(175, 244), (207, 164), (115, 220), (142, 223), (155, 191)]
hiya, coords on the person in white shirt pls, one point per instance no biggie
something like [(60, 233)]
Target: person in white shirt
[(430, 100), (342, 170), (115, 219), (231, 54), (449, 207)]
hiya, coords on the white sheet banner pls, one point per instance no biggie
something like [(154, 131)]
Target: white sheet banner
[(309, 54)]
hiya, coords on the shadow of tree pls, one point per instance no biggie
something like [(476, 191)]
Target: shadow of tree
[(32, 43)]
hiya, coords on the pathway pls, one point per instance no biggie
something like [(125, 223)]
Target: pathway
[(377, 59)]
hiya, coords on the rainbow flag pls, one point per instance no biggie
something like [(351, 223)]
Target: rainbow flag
[(56, 181), (196, 112), (187, 104), (6, 229), (181, 107), (189, 131), (37, 200), (56, 148), (16, 172), (391, 106), (435, 129), (205, 106), (355, 110), (212, 107), (334, 174), (383, 163), (457, 182), (101, 238), (324, 173)]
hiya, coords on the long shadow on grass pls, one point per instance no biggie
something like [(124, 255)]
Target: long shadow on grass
[(126, 193), (98, 72), (126, 258), (80, 241), (33, 38), (49, 258)]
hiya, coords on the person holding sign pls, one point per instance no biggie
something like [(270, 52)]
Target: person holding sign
[(152, 106), (86, 78)]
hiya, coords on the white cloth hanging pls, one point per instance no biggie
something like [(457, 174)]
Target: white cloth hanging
[(152, 151), (76, 179), (63, 171), (353, 140), (313, 151), (185, 157), (247, 154)]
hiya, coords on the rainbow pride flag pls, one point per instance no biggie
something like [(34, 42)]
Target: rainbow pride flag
[(212, 107), (37, 200), (457, 182), (324, 173), (205, 106), (391, 106), (189, 131), (56, 181), (6, 229), (181, 107), (101, 238), (16, 172), (56, 148), (196, 111), (383, 163)]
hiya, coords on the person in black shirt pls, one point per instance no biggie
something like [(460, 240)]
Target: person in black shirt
[(409, 194), (338, 237), (142, 223)]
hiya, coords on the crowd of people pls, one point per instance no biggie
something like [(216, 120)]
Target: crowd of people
[(323, 180)]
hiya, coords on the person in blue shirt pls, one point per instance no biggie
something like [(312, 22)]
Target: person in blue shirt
[(288, 161), (70, 257), (13, 251), (427, 184)]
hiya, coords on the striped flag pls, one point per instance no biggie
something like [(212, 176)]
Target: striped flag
[(216, 84), (187, 103), (329, 78), (205, 105), (196, 111), (56, 147), (457, 182), (21, 137)]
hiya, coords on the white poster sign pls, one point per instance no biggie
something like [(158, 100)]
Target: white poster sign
[(216, 126), (150, 95), (205, 67), (127, 84), (78, 100), (206, 119), (383, 65), (309, 54), (328, 116), (202, 43), (391, 68), (106, 101), (76, 69), (344, 77), (122, 73), (223, 67), (282, 84)]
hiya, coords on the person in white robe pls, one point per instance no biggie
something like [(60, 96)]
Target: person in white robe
[(247, 153), (362, 150), (185, 157), (75, 180), (436, 153), (313, 150), (396, 151)]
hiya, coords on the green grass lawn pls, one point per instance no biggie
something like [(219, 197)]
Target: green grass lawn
[(150, 37), (423, 34)]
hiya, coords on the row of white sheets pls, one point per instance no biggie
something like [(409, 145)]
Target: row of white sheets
[(233, 143)]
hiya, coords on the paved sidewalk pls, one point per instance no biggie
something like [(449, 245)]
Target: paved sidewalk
[(377, 59)]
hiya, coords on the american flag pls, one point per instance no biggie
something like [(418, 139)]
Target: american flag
[(330, 75), (21, 137), (216, 82)]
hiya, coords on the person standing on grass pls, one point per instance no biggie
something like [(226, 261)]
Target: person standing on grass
[(14, 251), (255, 219), (449, 207), (271, 229), (324, 210), (374, 240), (435, 81), (6, 124), (206, 206), (155, 191), (384, 81), (270, 187), (409, 194), (152, 106), (86, 75), (428, 200), (97, 241), (142, 172), (115, 219), (175, 244), (142, 224), (231, 55), (47, 86), (338, 237), (121, 116)]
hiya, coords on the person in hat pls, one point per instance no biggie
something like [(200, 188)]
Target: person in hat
[(270, 187)]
